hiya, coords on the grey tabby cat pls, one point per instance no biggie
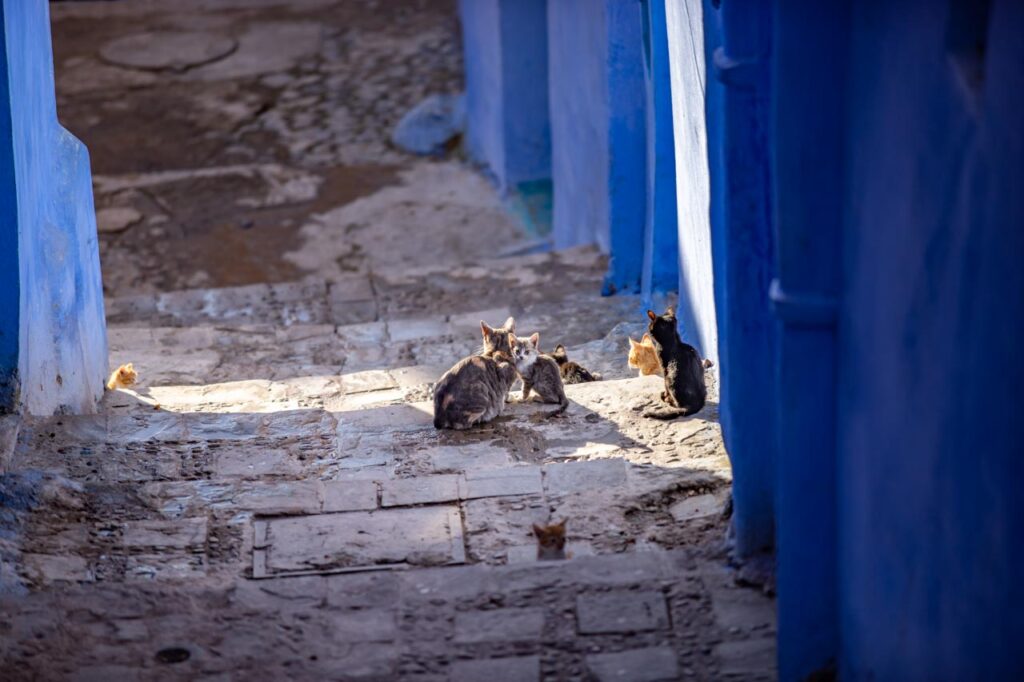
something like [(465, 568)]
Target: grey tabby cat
[(475, 389), (539, 372)]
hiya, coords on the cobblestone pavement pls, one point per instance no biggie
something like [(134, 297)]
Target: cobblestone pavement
[(272, 501)]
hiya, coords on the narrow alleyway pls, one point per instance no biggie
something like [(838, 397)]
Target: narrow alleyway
[(272, 501)]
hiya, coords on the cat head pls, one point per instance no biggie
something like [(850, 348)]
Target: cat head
[(550, 538), (498, 338), (639, 350), (126, 374), (525, 349), (559, 354), (662, 328)]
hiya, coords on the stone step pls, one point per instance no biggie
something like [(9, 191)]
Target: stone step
[(511, 282), (651, 612), (208, 354)]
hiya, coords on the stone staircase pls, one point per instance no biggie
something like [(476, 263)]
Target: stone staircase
[(272, 500)]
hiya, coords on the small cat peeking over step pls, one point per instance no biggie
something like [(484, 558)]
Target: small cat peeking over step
[(550, 541), (572, 372), (475, 389), (122, 377), (644, 356), (685, 391), (539, 372)]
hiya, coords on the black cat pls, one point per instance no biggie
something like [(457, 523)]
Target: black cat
[(685, 391)]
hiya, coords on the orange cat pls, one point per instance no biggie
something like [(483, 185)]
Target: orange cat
[(550, 541), (122, 377), (644, 357)]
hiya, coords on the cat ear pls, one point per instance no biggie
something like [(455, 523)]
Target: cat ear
[(538, 531), (650, 314), (645, 339), (534, 339), (670, 312), (485, 328), (510, 324), (130, 366), (559, 348), (632, 343), (560, 525)]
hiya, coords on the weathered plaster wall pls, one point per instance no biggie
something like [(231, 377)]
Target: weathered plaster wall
[(62, 354), (505, 44), (578, 90), (930, 471), (698, 326)]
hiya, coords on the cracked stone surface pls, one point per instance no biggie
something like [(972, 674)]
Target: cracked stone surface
[(272, 496)]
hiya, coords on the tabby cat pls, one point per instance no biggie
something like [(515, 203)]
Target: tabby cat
[(572, 372), (540, 373), (474, 391)]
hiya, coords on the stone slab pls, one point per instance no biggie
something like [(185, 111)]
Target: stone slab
[(401, 492), (512, 669), (521, 480), (358, 541), (747, 659), (696, 507), (638, 665), (178, 534), (621, 612), (290, 497), (573, 477), (343, 496), (499, 625)]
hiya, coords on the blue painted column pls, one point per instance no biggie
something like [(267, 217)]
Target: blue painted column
[(53, 351), (505, 43), (598, 132), (738, 42), (809, 45), (661, 236)]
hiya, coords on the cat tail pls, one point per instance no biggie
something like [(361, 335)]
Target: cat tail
[(666, 414), (562, 407)]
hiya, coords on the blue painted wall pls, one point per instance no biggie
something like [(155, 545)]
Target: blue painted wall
[(737, 42), (47, 211), (930, 467), (661, 237), (505, 45), (687, 66)]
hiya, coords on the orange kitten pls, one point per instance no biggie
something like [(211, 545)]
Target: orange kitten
[(550, 541), (643, 356), (122, 377)]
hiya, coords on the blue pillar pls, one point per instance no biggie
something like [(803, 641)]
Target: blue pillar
[(661, 236), (598, 136), (505, 43), (738, 42), (53, 352), (809, 45)]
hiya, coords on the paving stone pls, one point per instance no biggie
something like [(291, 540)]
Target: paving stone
[(342, 496), (637, 665), (748, 658), (512, 669), (572, 477), (621, 612), (167, 49), (400, 492), (471, 458), (50, 568), (355, 288), (418, 329), (328, 542), (521, 480), (469, 323), (290, 497), (178, 534), (371, 380), (408, 417), (696, 507), (411, 377), (499, 625), (255, 462), (364, 625)]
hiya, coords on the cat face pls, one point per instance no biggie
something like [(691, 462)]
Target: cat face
[(550, 540), (643, 356), (126, 374), (525, 351), (498, 339), (559, 354)]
